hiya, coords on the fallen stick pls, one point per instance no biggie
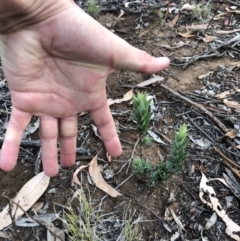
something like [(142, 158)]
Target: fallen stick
[(208, 113), (226, 158)]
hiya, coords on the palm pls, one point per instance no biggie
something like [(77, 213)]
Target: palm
[(58, 68)]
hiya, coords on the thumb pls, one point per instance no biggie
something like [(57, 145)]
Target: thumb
[(130, 58)]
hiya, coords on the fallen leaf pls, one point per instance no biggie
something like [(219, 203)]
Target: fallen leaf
[(202, 76), (95, 130), (232, 133), (205, 189), (121, 14), (224, 94), (25, 198), (187, 35), (175, 236), (37, 206), (126, 97), (231, 104), (227, 31), (208, 38), (98, 179), (109, 158), (127, 3), (211, 221), (36, 220), (174, 46), (156, 137), (174, 21), (75, 177), (54, 233), (199, 26), (150, 81), (187, 7), (5, 235)]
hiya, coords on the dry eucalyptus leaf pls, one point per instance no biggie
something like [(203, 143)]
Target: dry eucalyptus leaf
[(37, 206), (174, 21), (75, 177), (95, 130), (202, 76), (224, 94), (121, 14), (98, 179), (54, 233), (205, 189), (227, 31), (187, 7), (25, 198), (187, 35), (232, 133), (109, 158), (199, 26), (5, 235), (211, 221), (174, 46), (151, 81), (128, 96), (208, 38), (231, 104), (36, 220)]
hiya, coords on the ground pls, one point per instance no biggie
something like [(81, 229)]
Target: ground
[(154, 29)]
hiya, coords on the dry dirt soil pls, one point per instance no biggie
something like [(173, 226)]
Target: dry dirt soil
[(158, 36)]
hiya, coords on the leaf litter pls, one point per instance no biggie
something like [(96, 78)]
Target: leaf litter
[(217, 39)]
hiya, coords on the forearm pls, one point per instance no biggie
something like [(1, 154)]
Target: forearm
[(17, 14)]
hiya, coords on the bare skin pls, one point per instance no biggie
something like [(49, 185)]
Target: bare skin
[(56, 63)]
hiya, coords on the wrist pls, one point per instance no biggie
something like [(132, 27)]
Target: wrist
[(18, 14)]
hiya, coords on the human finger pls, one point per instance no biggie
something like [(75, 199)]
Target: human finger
[(48, 130), (105, 124), (67, 140), (130, 58), (137, 60), (15, 129)]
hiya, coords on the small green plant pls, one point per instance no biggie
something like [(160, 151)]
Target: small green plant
[(165, 168), (178, 152), (141, 166), (147, 140), (202, 11), (93, 8), (141, 112)]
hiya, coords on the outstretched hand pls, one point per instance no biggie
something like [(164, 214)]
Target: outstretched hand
[(56, 67)]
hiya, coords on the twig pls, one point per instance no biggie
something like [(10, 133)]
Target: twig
[(202, 131), (226, 158), (232, 2), (130, 159), (214, 118), (38, 162), (118, 186), (163, 222), (195, 59), (41, 223)]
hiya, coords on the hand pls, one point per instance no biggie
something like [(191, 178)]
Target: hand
[(56, 67)]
